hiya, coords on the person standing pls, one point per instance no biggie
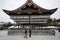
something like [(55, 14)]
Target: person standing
[(53, 32), (25, 33), (29, 32)]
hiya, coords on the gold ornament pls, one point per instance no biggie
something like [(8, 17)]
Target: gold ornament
[(29, 4)]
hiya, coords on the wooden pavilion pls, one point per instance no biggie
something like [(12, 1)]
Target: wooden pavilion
[(30, 14)]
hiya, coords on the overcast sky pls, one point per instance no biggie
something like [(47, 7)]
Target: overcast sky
[(13, 4)]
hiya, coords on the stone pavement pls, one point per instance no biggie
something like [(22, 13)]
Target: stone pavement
[(5, 36)]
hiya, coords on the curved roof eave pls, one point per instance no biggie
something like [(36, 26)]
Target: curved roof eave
[(53, 10), (44, 10), (6, 11)]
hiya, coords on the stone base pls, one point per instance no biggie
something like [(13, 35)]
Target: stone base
[(36, 32)]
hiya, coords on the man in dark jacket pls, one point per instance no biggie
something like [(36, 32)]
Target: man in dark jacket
[(29, 32), (25, 33)]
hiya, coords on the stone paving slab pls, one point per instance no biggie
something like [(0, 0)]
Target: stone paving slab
[(5, 36)]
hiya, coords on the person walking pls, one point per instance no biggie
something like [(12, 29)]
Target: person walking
[(25, 33), (29, 32)]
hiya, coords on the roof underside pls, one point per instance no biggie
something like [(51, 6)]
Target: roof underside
[(30, 8)]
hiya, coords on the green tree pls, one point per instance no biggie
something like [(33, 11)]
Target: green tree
[(49, 22), (7, 24), (54, 22)]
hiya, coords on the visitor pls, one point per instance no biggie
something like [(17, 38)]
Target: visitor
[(25, 33), (53, 32), (29, 32)]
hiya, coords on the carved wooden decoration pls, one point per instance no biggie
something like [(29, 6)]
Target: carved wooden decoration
[(29, 12), (20, 10), (40, 11), (18, 13), (29, 4), (24, 7), (34, 6)]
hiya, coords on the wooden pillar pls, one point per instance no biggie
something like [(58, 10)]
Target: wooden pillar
[(29, 21)]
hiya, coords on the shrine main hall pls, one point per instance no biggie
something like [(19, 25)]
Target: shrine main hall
[(30, 14)]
